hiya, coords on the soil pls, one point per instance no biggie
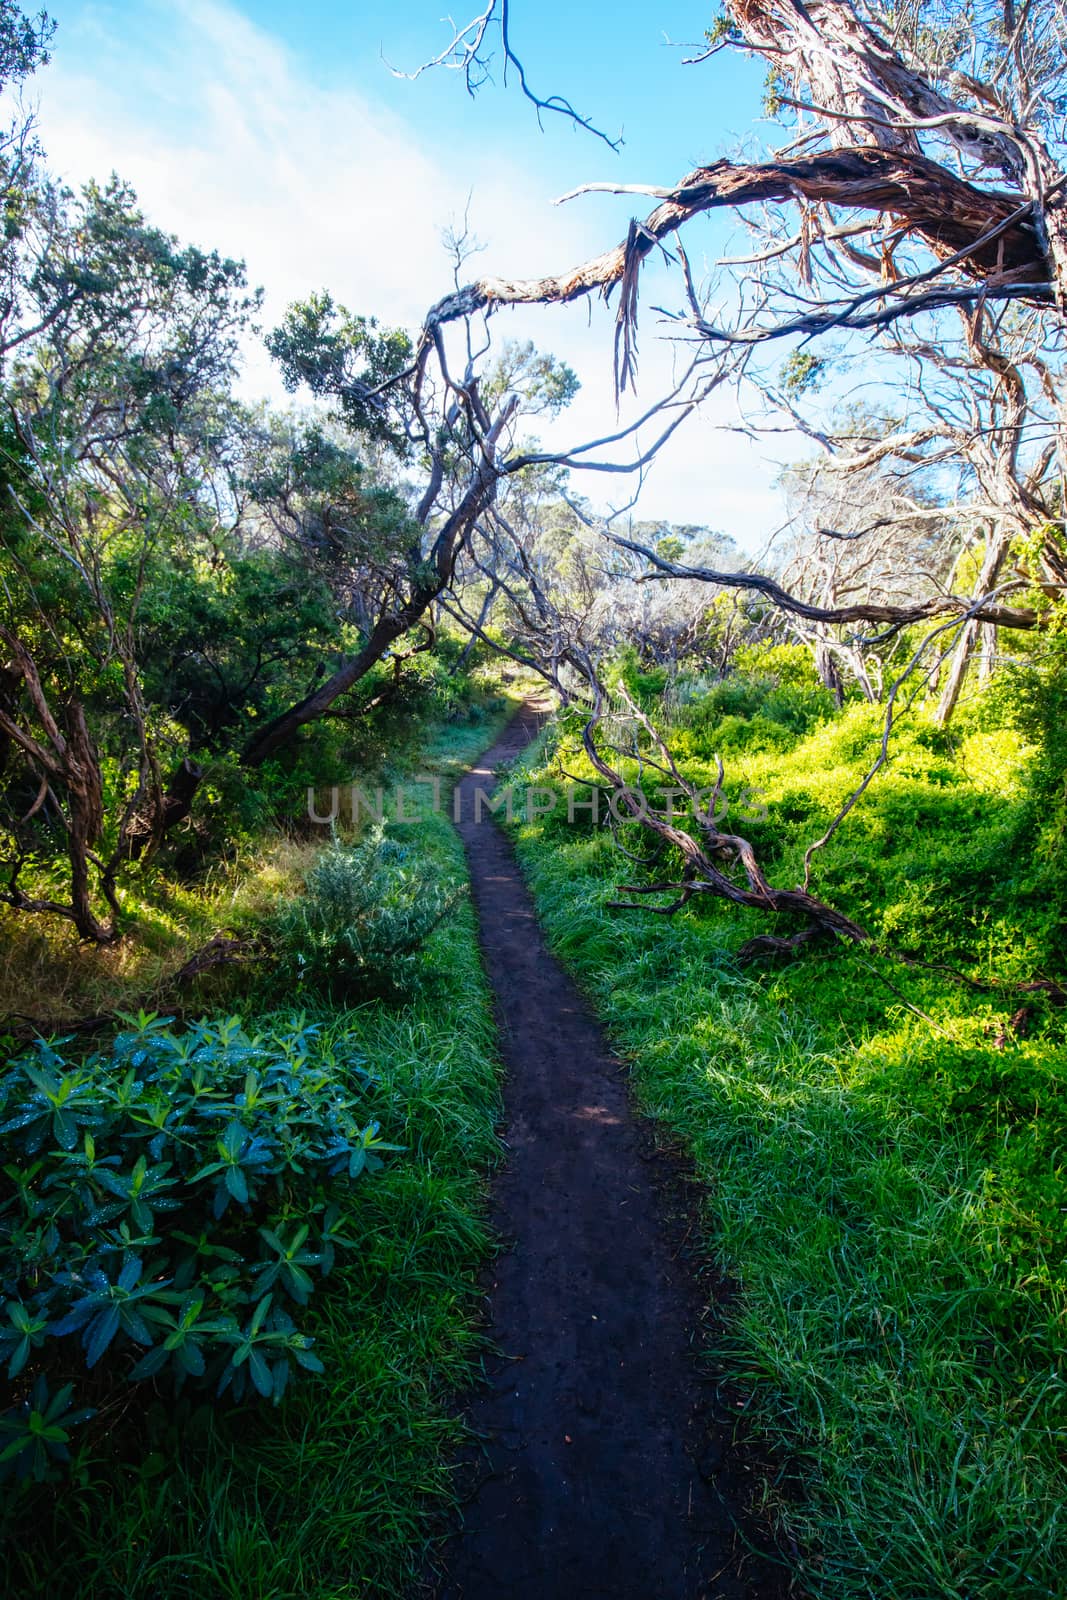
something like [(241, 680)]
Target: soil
[(608, 1463)]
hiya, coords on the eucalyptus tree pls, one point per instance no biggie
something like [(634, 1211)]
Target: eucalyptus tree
[(455, 420), (920, 197)]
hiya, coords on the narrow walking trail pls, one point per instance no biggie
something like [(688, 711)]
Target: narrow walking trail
[(605, 1470)]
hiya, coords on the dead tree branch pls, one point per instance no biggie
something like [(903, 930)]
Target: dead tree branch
[(720, 864)]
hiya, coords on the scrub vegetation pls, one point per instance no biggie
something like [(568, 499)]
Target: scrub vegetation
[(339, 1488)]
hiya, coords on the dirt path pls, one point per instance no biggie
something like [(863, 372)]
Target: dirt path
[(604, 1471)]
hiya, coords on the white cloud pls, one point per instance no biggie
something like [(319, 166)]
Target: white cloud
[(233, 145)]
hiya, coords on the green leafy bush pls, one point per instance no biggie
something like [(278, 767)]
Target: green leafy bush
[(34, 1436), (777, 664), (366, 912), (1032, 697), (779, 705), (751, 733), (704, 703), (169, 1206), (647, 683)]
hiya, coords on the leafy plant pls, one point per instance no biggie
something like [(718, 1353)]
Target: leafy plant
[(366, 912), (169, 1204), (34, 1437)]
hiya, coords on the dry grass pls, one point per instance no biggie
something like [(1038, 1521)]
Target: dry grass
[(46, 973)]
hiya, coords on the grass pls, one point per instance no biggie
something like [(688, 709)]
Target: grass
[(882, 1154), (45, 972), (341, 1490)]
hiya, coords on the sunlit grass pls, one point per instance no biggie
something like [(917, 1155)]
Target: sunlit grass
[(882, 1153), (46, 973)]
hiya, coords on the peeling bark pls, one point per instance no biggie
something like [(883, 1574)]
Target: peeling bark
[(996, 552), (949, 214)]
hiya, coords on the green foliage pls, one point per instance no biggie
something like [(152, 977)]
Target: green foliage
[(881, 1133), (1009, 1099), (339, 1490), (646, 685), (173, 1202), (778, 665), (35, 1435), (344, 357), (178, 568), (24, 42), (771, 699), (136, 290), (723, 30), (761, 732), (224, 644), (340, 520), (366, 912), (546, 384), (802, 373), (1033, 698)]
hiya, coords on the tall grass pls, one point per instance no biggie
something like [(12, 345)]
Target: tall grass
[(883, 1161)]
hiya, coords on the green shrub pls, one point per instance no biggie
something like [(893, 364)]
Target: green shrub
[(799, 707), (778, 664), (731, 697), (776, 703), (1032, 697), (34, 1436), (170, 1205), (647, 683), (751, 733), (367, 910)]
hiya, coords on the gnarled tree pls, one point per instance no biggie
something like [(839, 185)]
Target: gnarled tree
[(925, 169)]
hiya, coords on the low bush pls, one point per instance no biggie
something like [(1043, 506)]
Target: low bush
[(170, 1208), (366, 912), (772, 710)]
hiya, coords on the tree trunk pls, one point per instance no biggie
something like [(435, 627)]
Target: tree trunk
[(828, 671), (957, 673), (177, 802), (85, 803), (995, 552), (479, 495)]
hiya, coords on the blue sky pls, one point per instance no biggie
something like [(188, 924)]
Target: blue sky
[(279, 134)]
